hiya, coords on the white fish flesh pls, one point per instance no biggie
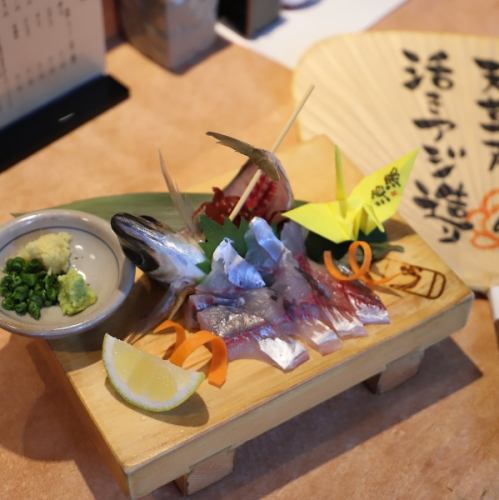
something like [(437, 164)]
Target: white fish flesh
[(234, 303), (282, 271)]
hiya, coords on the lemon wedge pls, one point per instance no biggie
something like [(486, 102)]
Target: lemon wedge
[(144, 380)]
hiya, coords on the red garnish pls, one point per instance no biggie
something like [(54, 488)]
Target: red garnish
[(258, 203)]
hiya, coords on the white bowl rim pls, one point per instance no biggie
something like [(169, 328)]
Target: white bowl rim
[(99, 228)]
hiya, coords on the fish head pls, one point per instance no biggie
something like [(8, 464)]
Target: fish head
[(270, 196), (157, 250)]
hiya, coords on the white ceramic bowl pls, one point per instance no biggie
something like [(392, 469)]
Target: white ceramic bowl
[(95, 252)]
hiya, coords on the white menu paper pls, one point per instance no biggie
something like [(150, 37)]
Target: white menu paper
[(47, 47), (297, 30)]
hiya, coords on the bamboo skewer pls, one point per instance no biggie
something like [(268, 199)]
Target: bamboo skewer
[(275, 147)]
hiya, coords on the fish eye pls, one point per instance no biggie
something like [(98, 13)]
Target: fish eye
[(141, 259)]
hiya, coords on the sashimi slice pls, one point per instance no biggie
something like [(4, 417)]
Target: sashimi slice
[(250, 336), (302, 307), (329, 293), (201, 301), (332, 295), (265, 250), (281, 271), (293, 238), (368, 306), (229, 271), (233, 302), (350, 303)]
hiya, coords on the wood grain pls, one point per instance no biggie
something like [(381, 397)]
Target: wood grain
[(257, 396), (397, 372), (438, 431), (207, 472)]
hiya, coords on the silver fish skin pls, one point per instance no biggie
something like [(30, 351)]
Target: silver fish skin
[(281, 271), (293, 238), (265, 250), (329, 293), (234, 302), (249, 334), (307, 315), (368, 306), (164, 255), (230, 273), (238, 271)]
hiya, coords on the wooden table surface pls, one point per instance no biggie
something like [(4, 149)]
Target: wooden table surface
[(435, 437)]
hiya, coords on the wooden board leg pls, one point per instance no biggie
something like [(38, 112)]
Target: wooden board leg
[(207, 472), (396, 372)]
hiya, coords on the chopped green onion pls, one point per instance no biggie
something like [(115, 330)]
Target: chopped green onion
[(17, 265)]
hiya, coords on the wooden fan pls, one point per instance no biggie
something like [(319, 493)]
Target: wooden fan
[(380, 95)]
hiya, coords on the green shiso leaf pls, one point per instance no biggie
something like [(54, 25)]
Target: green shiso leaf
[(215, 233)]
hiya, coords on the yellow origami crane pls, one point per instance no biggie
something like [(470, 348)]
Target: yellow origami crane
[(372, 201)]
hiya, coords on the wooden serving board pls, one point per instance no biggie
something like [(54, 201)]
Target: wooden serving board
[(195, 443)]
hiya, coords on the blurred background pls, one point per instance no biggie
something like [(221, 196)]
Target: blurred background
[(182, 67)]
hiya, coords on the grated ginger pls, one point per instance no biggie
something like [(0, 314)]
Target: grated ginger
[(51, 249)]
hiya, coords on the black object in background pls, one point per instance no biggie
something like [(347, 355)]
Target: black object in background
[(248, 16), (39, 128)]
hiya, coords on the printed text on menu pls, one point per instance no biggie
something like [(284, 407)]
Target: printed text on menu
[(47, 47)]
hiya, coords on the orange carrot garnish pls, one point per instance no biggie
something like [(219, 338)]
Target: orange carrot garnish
[(184, 347), (358, 272), (168, 325), (217, 371)]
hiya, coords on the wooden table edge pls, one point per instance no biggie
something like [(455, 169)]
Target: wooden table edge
[(141, 478)]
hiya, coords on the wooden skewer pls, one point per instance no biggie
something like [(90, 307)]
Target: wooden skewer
[(275, 147)]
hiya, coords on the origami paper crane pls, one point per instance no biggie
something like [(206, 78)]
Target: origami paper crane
[(372, 201)]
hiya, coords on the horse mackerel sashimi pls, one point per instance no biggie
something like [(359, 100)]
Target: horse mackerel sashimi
[(234, 302), (350, 303), (329, 292), (171, 258), (257, 304), (268, 199), (271, 196), (260, 303), (283, 276)]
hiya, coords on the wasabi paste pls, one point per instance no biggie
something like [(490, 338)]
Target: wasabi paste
[(74, 295)]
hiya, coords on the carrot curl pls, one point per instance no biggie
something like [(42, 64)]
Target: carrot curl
[(358, 272)]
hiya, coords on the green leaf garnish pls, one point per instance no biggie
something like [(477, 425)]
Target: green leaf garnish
[(205, 266), (215, 233)]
